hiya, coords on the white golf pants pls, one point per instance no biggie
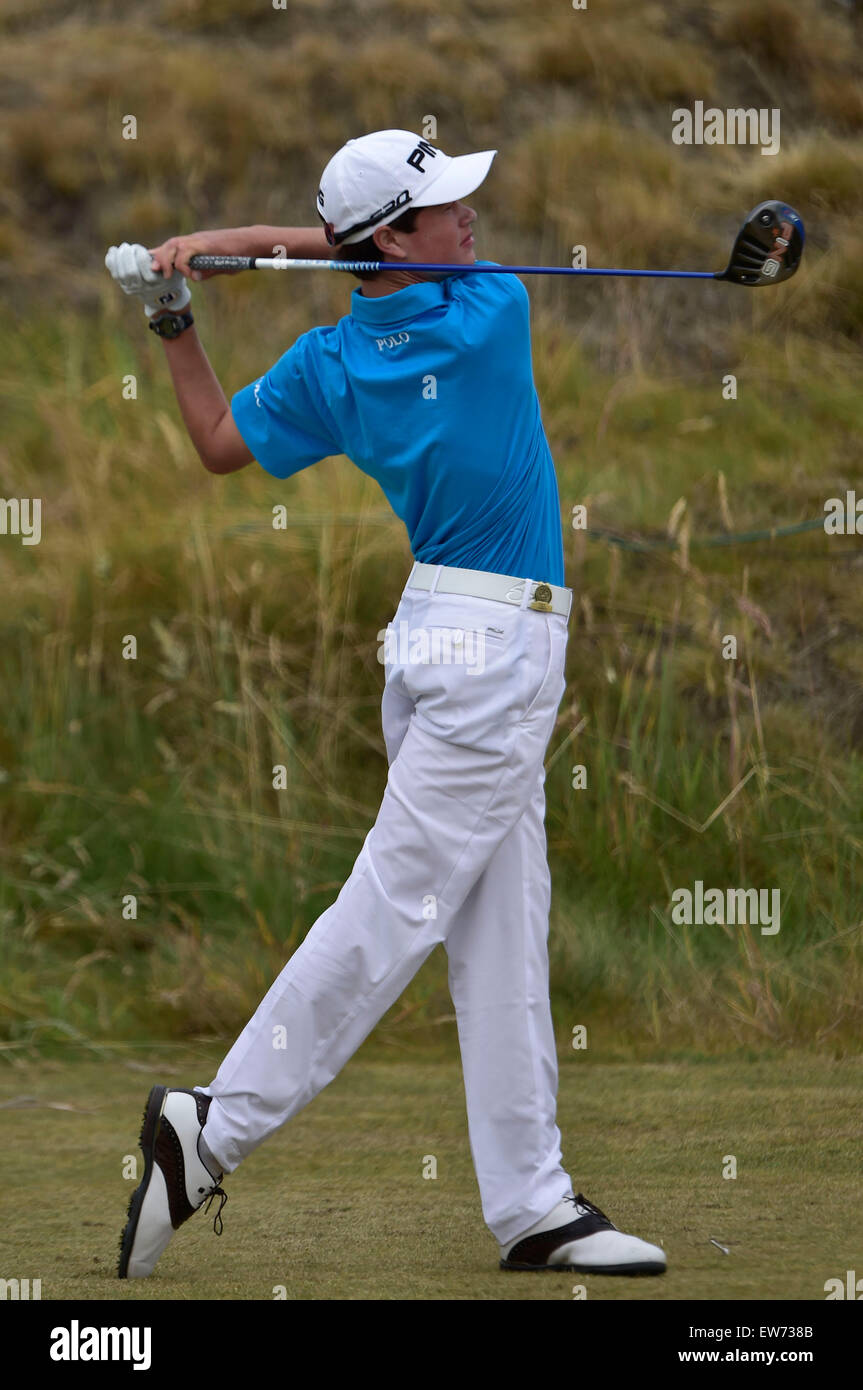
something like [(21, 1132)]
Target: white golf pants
[(457, 855)]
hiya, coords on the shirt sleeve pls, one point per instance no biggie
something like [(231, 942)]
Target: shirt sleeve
[(283, 417)]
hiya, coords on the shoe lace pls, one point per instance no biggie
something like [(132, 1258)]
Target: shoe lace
[(217, 1219), (579, 1200)]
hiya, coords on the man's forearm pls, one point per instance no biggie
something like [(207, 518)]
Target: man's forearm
[(200, 397), (300, 243)]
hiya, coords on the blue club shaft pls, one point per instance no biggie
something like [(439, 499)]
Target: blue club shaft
[(206, 262), (529, 270)]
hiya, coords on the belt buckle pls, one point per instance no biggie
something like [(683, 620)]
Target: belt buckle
[(541, 600)]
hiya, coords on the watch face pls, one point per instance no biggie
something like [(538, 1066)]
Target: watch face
[(169, 325)]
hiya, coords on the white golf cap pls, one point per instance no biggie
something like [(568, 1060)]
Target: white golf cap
[(373, 180)]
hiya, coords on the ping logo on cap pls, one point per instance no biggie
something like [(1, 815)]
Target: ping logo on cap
[(416, 157)]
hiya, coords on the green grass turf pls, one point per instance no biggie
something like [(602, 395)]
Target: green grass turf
[(334, 1206)]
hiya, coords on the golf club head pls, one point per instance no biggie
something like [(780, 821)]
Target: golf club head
[(768, 246)]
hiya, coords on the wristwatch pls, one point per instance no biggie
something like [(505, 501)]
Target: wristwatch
[(171, 325)]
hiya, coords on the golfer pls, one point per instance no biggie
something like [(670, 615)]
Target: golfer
[(427, 386)]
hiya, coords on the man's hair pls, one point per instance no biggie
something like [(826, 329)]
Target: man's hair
[(366, 250)]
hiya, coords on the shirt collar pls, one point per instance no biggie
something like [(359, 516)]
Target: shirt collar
[(387, 310)]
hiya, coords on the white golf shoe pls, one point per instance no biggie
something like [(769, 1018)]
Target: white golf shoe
[(577, 1236), (176, 1181)]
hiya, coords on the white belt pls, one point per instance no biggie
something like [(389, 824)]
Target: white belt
[(504, 588)]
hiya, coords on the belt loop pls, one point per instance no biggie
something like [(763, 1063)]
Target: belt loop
[(525, 598), (436, 579)]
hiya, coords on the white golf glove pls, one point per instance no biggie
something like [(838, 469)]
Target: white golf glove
[(132, 269)]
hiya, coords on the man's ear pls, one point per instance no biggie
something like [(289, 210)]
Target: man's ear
[(386, 240)]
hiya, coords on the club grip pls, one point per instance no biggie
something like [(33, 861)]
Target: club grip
[(222, 262)]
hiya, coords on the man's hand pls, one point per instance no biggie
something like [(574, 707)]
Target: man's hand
[(173, 254), (132, 267)]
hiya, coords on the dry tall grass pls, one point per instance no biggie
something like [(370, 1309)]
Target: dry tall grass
[(257, 647)]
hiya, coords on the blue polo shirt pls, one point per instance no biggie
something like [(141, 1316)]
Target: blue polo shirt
[(429, 391)]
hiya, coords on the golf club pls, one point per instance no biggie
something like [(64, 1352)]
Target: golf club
[(767, 250)]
